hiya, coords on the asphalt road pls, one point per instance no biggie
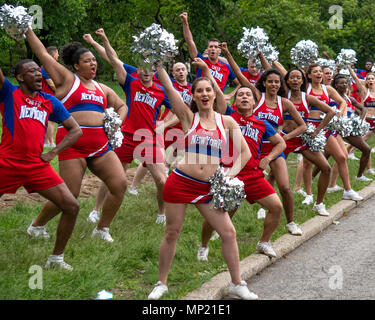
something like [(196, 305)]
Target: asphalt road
[(338, 263)]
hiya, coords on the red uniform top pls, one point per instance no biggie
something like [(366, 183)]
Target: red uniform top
[(208, 142), (302, 108), (144, 105), (25, 120), (255, 131), (324, 96), (79, 98), (220, 71), (45, 87), (273, 115), (368, 101)]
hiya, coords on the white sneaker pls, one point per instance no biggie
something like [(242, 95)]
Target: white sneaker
[(351, 195), (320, 209), (371, 171), (203, 253), (102, 234), (261, 213), (241, 291), (363, 178), (161, 219), (265, 247), (215, 236), (299, 157), (373, 150), (352, 156), (158, 291), (37, 232), (57, 261), (309, 199), (94, 216), (334, 189), (294, 229), (301, 191), (133, 191)]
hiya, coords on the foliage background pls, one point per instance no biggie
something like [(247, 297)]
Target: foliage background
[(285, 21)]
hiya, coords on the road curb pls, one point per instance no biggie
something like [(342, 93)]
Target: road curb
[(217, 287)]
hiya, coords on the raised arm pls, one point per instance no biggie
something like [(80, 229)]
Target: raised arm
[(98, 48), (61, 76), (265, 64), (313, 101), (112, 56), (179, 108), (188, 36), (237, 71), (360, 85), (278, 66), (221, 103)]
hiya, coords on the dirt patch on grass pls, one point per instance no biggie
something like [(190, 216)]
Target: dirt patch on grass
[(90, 185)]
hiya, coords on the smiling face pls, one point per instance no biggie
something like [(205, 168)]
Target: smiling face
[(244, 100), (272, 83), (30, 77), (204, 94), (295, 80), (87, 65), (316, 74)]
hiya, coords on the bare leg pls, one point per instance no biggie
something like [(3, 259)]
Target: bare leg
[(157, 171), (222, 223), (359, 143), (71, 171), (299, 177), (321, 162), (109, 169), (280, 172), (139, 175), (272, 220), (65, 201), (175, 213)]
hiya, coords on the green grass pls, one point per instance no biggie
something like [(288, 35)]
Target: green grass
[(129, 266)]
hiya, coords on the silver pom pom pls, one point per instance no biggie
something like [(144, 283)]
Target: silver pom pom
[(304, 53), (112, 123), (252, 42), (359, 127), (346, 72), (340, 124), (318, 142), (327, 62), (227, 193), (346, 57), (155, 45), (15, 21)]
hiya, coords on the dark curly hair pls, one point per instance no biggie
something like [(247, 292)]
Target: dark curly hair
[(71, 53), (260, 86)]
